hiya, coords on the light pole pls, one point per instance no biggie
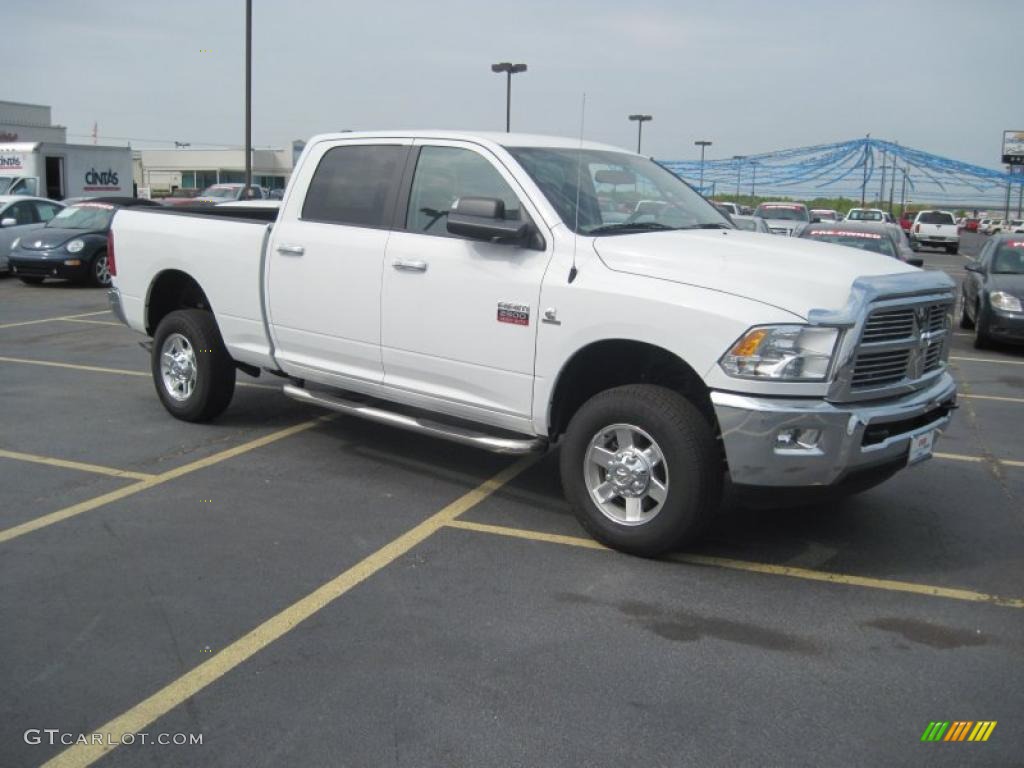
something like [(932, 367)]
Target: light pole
[(753, 177), (739, 159), (509, 69), (703, 145), (248, 99), (640, 120)]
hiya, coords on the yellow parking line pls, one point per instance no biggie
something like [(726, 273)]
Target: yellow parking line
[(957, 457), (1000, 398), (86, 506), (765, 568), (94, 322), (53, 319), (987, 360), (116, 371), (192, 682), (95, 468)]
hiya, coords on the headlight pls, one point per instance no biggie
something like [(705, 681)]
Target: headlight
[(15, 243), (1004, 301), (782, 352), (75, 246)]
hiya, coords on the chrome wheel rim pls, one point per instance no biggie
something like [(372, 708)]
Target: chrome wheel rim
[(178, 367), (102, 270), (626, 474)]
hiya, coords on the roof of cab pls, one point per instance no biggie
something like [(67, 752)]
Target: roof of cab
[(481, 137)]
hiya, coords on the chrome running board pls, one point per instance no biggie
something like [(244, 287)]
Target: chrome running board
[(455, 434)]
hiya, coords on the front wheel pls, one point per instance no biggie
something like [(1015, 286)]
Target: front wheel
[(99, 270), (193, 373), (641, 469), (981, 338), (965, 320)]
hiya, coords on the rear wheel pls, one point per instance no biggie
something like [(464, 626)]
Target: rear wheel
[(641, 468), (193, 373), (31, 280)]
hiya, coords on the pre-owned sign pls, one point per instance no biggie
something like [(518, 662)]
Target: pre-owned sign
[(1013, 147)]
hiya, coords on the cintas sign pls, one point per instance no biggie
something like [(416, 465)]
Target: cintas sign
[(101, 181), (10, 163)]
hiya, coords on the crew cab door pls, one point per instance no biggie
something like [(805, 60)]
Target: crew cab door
[(325, 258), (460, 316)]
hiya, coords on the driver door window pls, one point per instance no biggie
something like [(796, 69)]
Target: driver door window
[(23, 213), (445, 174)]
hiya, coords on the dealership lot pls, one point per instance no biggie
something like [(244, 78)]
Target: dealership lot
[(308, 590)]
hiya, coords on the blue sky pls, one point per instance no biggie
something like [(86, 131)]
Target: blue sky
[(750, 76)]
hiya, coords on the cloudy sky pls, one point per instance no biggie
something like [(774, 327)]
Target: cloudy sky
[(749, 75)]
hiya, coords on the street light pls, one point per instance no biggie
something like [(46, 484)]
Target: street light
[(702, 144), (509, 69), (640, 120), (753, 178), (739, 159)]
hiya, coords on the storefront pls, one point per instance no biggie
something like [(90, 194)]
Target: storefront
[(165, 171)]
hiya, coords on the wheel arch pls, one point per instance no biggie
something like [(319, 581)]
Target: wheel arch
[(608, 363), (172, 289)]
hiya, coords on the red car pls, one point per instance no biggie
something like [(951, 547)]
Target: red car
[(907, 220), (970, 225)]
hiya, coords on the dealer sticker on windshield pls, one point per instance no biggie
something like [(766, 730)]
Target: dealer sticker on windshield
[(921, 447)]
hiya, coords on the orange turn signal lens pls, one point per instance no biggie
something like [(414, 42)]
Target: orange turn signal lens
[(749, 344)]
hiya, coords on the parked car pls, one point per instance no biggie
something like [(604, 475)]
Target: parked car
[(72, 245), (994, 227), (865, 214), (783, 218), (936, 229), (907, 220), (751, 224), (824, 214), (1014, 226), (877, 237), (19, 215), (993, 291), (731, 208), (476, 290), (216, 193), (970, 224)]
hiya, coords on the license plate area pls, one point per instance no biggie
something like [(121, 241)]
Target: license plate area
[(921, 446)]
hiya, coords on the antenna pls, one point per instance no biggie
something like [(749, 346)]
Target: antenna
[(579, 172)]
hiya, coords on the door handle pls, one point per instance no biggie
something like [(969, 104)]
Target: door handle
[(409, 266), (291, 250)]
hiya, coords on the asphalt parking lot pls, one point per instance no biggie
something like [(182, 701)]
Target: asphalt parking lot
[(300, 589)]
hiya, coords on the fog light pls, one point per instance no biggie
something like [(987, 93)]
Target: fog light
[(72, 262), (798, 439)]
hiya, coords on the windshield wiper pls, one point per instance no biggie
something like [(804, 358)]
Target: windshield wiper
[(635, 226), (714, 226)]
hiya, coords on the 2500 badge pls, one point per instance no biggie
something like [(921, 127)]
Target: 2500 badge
[(516, 314)]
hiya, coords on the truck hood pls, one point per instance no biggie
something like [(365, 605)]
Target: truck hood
[(792, 274)]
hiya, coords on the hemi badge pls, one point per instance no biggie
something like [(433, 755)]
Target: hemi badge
[(516, 314)]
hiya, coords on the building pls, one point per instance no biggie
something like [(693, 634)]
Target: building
[(165, 170), (28, 122)]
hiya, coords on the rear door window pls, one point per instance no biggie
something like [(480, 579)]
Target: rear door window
[(355, 185)]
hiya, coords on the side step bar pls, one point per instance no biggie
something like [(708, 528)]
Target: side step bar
[(456, 434)]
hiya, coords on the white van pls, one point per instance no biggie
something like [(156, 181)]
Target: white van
[(57, 171)]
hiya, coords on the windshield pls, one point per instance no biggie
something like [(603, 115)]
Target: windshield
[(1009, 258), (825, 215), (856, 215), (221, 193), (866, 241), (617, 192), (94, 216), (935, 217), (781, 211)]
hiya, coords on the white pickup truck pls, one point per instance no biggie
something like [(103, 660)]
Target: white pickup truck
[(937, 229), (498, 290)]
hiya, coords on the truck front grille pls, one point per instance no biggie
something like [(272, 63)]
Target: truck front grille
[(900, 345)]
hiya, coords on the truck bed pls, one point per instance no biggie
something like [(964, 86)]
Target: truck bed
[(223, 250)]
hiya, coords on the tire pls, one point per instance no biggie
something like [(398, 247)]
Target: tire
[(690, 471), (200, 383), (981, 338), (31, 280), (99, 272), (965, 321)]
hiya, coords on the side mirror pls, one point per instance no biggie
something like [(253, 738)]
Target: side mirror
[(8, 222), (916, 262), (483, 218), (972, 267)]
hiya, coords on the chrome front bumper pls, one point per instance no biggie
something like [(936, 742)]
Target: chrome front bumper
[(852, 436)]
